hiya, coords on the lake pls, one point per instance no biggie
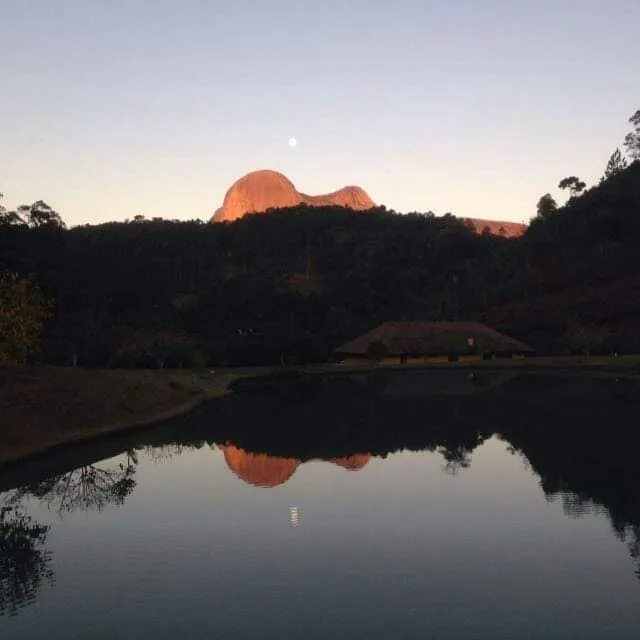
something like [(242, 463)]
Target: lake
[(391, 505)]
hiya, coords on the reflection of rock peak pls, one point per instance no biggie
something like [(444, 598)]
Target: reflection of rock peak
[(259, 469), (262, 470), (354, 462)]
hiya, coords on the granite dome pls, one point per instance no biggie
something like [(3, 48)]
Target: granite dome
[(261, 190)]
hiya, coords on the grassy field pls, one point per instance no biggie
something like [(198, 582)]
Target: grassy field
[(60, 405)]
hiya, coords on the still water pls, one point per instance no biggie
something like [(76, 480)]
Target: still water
[(503, 510)]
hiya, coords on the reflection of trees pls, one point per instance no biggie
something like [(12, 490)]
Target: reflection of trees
[(630, 535), (607, 495), (575, 505), (88, 487), (456, 445), (455, 459), (24, 565), (161, 454)]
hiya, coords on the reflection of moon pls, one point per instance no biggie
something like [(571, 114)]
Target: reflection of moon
[(292, 142)]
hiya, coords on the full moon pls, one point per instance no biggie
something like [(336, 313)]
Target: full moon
[(292, 142)]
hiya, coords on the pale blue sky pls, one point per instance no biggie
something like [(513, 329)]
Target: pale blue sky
[(478, 107)]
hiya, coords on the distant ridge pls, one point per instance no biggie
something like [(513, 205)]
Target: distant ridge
[(497, 228), (259, 191)]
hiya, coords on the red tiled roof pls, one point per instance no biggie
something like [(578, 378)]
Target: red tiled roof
[(432, 338)]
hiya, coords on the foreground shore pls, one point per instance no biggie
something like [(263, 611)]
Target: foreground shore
[(55, 406)]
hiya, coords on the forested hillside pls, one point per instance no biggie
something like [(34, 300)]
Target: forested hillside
[(295, 283), (579, 268)]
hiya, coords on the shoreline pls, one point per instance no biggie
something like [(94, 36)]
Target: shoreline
[(54, 412), (30, 453), (56, 407)]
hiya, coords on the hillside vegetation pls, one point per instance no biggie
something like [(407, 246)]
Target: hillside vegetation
[(292, 285)]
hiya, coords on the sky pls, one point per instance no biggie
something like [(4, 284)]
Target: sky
[(475, 107)]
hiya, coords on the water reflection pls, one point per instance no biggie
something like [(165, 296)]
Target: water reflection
[(578, 436), (89, 487), (263, 470), (24, 563)]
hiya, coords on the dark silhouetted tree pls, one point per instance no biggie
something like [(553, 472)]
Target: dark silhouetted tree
[(546, 206), (9, 218), (632, 140), (573, 183), (40, 214), (617, 163)]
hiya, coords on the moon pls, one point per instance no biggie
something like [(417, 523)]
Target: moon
[(292, 142)]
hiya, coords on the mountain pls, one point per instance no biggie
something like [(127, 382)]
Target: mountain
[(265, 189), (261, 190)]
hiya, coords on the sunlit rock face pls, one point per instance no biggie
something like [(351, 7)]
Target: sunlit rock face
[(351, 197), (259, 191), (259, 469), (262, 190)]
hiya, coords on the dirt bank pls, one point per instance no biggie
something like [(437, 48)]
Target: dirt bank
[(58, 405)]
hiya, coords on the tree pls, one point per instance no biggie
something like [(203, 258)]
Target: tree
[(23, 311), (8, 218), (617, 163), (573, 183), (546, 206), (40, 214), (632, 140)]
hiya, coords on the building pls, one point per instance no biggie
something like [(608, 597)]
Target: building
[(420, 342)]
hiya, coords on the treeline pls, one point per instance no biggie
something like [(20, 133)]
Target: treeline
[(292, 285), (580, 271)]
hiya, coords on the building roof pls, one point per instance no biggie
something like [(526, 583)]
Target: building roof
[(432, 338)]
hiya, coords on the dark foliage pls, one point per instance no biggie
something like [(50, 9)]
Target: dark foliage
[(292, 285), (24, 564)]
